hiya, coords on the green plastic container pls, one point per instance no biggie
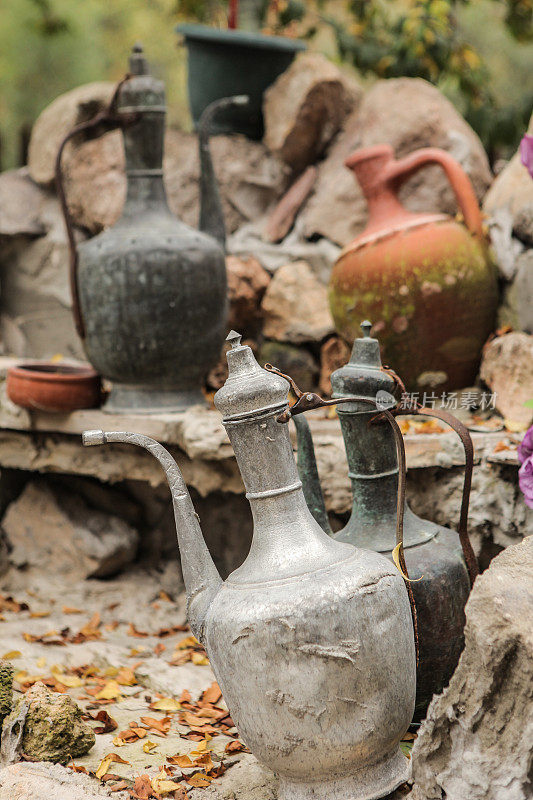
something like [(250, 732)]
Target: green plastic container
[(229, 62)]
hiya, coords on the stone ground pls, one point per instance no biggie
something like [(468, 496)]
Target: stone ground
[(115, 657)]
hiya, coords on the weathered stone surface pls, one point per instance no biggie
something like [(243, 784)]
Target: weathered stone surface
[(57, 120), (54, 730), (20, 205), (6, 690), (35, 317), (507, 369), (334, 354), (516, 306), (58, 531), (295, 306), (247, 283), (476, 741), (523, 224), (497, 514), (513, 190), (282, 217), (407, 113), (26, 781), (305, 107), (297, 362), (250, 179)]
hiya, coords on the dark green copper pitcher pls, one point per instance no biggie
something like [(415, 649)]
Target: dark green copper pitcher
[(431, 551), (142, 286)]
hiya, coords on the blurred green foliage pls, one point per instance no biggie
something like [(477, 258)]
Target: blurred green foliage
[(432, 39), (478, 52)]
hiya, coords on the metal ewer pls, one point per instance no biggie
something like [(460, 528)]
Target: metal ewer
[(141, 287), (311, 640), (441, 562)]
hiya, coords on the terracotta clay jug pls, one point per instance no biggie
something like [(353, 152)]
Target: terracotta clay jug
[(425, 279)]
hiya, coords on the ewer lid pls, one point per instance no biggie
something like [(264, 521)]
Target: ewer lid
[(363, 374), (249, 390), (141, 92)]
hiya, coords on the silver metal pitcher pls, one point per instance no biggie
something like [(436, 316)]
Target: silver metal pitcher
[(311, 640)]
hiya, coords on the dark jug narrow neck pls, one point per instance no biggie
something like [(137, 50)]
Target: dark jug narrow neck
[(143, 97)]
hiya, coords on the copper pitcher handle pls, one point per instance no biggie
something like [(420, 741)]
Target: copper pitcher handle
[(106, 120), (398, 171)]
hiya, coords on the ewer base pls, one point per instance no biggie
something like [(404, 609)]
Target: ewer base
[(125, 399), (369, 783)]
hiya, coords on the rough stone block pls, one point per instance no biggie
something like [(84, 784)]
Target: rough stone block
[(475, 743)]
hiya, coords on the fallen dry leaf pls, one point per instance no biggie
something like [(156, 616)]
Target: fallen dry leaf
[(109, 723), (165, 704), (199, 780), (110, 691), (11, 654), (133, 631), (126, 677), (161, 784), (142, 788), (148, 746), (71, 610), (235, 747), (162, 725), (213, 694)]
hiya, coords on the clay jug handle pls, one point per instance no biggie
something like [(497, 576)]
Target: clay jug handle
[(398, 171)]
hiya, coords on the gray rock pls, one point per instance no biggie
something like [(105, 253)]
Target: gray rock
[(57, 531), (523, 224), (57, 120), (476, 741), (20, 205), (295, 306), (505, 246), (507, 369), (26, 781), (319, 255), (516, 306), (297, 362), (513, 190), (35, 317), (250, 179), (305, 107), (407, 113)]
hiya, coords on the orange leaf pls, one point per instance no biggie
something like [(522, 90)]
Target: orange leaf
[(142, 788), (162, 725), (213, 694)]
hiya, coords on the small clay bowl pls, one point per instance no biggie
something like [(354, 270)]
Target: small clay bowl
[(43, 386)]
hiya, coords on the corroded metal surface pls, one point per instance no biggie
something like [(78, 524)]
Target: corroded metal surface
[(147, 282), (431, 550), (311, 639)]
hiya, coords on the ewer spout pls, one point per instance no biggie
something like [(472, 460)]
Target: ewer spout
[(201, 577)]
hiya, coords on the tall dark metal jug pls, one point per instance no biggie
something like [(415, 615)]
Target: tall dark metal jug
[(140, 287), (433, 553)]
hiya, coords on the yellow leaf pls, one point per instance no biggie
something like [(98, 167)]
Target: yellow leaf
[(103, 769), (41, 662), (515, 427), (165, 704), (126, 677), (396, 559), (147, 746), (12, 654), (70, 681), (110, 691), (111, 672), (119, 742), (201, 747), (162, 785), (199, 660)]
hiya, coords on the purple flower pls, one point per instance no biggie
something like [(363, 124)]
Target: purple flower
[(525, 448), (525, 480), (526, 152)]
